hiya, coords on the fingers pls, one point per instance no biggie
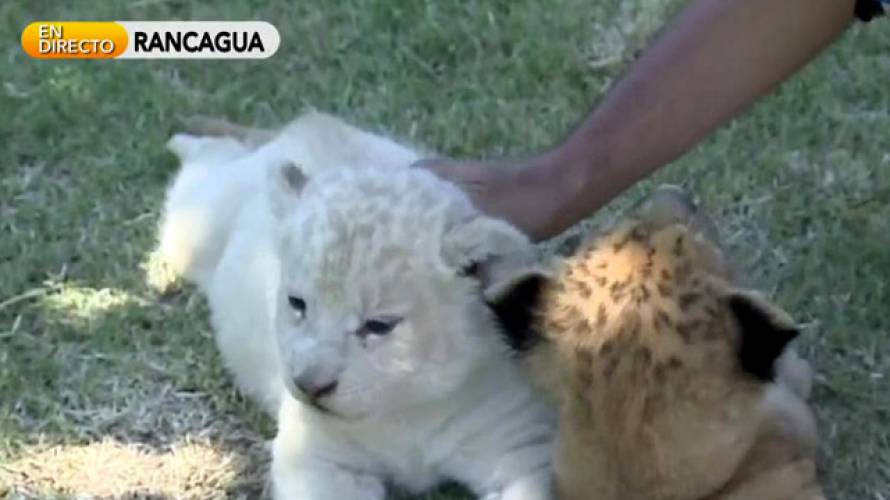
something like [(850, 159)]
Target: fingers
[(472, 177), (435, 164), (499, 190), (428, 162)]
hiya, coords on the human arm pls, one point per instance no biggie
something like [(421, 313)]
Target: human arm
[(710, 63)]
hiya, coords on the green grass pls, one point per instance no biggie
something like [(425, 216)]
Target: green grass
[(88, 352)]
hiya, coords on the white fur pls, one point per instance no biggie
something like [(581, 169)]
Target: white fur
[(435, 399)]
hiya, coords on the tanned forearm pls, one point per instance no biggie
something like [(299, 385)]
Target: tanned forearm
[(711, 62)]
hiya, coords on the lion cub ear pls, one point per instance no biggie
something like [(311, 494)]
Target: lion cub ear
[(501, 259), (286, 181), (515, 303), (487, 249), (765, 331)]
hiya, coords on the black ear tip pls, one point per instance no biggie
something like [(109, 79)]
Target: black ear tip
[(789, 333), (515, 310), (763, 337)]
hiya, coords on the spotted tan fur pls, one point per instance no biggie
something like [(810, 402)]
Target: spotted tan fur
[(641, 352)]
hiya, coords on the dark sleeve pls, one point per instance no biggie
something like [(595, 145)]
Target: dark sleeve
[(867, 10)]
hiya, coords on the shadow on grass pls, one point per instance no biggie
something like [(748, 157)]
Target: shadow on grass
[(114, 394)]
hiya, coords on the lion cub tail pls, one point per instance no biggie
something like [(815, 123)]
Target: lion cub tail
[(202, 203)]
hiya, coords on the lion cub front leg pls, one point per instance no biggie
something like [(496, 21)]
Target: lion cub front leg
[(308, 464), (793, 481), (534, 486), (314, 479)]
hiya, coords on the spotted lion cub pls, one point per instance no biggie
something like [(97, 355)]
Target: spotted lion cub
[(672, 381)]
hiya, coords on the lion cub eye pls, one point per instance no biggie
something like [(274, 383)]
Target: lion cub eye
[(297, 304), (379, 326)]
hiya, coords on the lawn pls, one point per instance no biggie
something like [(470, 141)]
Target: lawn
[(108, 386)]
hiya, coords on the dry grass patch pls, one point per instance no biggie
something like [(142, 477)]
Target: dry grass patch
[(111, 469)]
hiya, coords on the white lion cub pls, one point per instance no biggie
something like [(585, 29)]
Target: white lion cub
[(347, 296)]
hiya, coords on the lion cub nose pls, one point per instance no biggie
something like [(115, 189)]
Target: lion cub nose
[(315, 384)]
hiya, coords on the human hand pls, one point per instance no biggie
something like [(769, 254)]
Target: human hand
[(523, 193)]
